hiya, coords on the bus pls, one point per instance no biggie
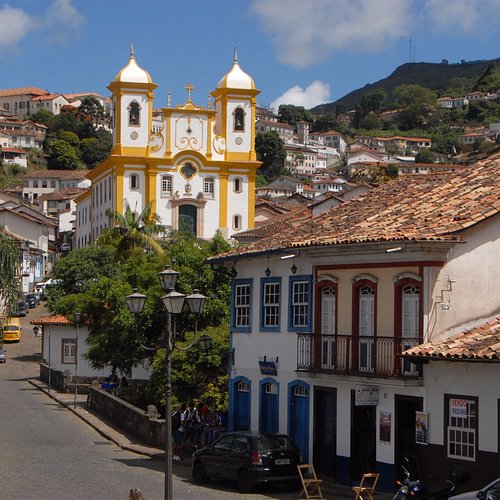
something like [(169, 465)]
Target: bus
[(11, 330)]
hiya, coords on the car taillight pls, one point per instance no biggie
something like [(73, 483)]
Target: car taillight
[(399, 483), (256, 458)]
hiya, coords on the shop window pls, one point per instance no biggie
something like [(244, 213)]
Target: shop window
[(461, 428)]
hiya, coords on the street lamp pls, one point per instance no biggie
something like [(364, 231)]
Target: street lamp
[(173, 302), (77, 321)]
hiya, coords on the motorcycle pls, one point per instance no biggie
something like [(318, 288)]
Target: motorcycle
[(416, 488)]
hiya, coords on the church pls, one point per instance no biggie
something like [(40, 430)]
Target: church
[(195, 165)]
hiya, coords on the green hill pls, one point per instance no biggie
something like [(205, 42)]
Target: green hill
[(443, 78)]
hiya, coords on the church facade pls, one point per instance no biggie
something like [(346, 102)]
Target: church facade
[(196, 166)]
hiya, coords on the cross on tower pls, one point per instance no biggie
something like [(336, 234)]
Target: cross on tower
[(189, 87)]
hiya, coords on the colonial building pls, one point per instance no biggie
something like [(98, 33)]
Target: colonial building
[(323, 310), (196, 168)]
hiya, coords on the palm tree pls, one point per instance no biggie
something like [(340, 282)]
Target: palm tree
[(9, 267), (133, 231)]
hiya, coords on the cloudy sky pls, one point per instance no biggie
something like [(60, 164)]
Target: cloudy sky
[(298, 52)]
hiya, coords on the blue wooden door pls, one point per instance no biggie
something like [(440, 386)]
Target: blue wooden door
[(269, 416), (299, 417), (241, 420)]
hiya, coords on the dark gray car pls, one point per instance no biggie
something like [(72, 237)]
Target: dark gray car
[(250, 458)]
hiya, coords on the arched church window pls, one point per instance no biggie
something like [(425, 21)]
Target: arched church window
[(134, 181), (134, 113), (239, 120), (237, 185)]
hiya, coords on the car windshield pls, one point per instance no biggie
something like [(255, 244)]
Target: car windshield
[(10, 328), (273, 443)]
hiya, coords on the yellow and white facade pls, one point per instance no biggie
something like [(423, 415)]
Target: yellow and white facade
[(195, 165)]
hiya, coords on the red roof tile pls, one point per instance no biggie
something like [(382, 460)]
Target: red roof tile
[(58, 319), (435, 207), (481, 342)]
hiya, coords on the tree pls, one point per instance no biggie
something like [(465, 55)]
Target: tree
[(62, 156), (42, 116), (91, 115), (381, 173), (271, 152), (324, 123), (288, 113), (132, 231), (96, 149), (416, 105), (424, 156), (9, 267)]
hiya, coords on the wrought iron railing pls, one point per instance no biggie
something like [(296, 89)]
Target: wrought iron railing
[(348, 354)]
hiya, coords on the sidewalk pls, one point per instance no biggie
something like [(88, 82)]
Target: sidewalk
[(111, 433)]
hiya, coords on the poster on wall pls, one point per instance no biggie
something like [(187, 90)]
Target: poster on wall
[(385, 426), (421, 427)]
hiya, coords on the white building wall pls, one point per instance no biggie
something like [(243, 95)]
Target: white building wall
[(135, 136)]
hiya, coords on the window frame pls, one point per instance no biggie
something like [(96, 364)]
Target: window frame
[(209, 187), (471, 430), (238, 180), (264, 325), (133, 179), (71, 343), (166, 178), (292, 282), (235, 326)]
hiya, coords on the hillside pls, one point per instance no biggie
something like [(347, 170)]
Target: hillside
[(438, 77)]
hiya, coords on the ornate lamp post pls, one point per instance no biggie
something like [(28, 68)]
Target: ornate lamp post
[(173, 302)]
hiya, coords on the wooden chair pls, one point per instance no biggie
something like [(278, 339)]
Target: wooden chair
[(366, 487), (311, 485)]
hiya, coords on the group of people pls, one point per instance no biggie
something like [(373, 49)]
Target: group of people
[(195, 427)]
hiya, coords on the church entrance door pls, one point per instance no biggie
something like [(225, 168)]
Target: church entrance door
[(187, 218)]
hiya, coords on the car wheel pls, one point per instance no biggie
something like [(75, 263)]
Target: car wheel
[(245, 484), (199, 474)]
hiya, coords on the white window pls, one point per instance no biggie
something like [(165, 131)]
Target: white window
[(462, 428), (208, 187), (242, 305), (300, 304), (69, 350), (271, 304), (166, 185)]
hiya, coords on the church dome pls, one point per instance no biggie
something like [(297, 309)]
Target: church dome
[(132, 72), (236, 78)]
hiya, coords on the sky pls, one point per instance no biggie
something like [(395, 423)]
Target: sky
[(301, 52)]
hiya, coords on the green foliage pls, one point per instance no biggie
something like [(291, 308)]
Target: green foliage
[(42, 116), (132, 231), (416, 105), (424, 156), (96, 149), (489, 81), (71, 138), (9, 267), (271, 152), (196, 375), (288, 113), (62, 156), (325, 123)]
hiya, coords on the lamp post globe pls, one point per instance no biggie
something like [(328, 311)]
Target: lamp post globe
[(135, 301), (196, 301), (168, 278), (173, 302)]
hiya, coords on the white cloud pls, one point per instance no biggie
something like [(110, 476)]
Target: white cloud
[(305, 33), (60, 19), (471, 16), (19, 25), (316, 93)]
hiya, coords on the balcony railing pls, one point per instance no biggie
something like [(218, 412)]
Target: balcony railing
[(356, 355)]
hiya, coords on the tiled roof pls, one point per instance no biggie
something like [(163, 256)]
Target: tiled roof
[(63, 194), (432, 207), (58, 319), (276, 224), (22, 91), (47, 97), (57, 174), (481, 342), (275, 124)]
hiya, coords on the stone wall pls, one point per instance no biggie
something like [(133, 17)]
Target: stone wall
[(128, 418)]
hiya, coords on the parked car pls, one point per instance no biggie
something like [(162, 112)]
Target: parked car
[(3, 357), (489, 492), (65, 247), (250, 458), (32, 299), (21, 308)]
